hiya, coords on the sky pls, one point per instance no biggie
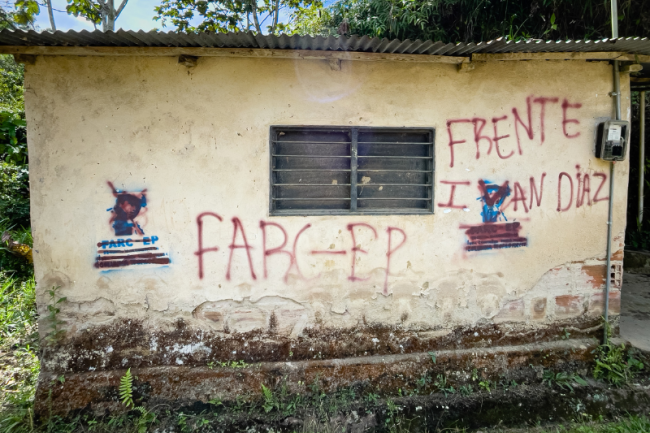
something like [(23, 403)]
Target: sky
[(137, 15)]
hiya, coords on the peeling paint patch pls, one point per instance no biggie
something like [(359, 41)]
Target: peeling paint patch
[(597, 275)]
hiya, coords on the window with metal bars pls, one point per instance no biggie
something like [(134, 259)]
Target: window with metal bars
[(351, 170)]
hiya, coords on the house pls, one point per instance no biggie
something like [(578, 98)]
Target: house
[(320, 207)]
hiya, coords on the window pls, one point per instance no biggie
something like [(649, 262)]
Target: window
[(351, 170)]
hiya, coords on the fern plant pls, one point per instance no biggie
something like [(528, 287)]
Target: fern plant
[(269, 399), (146, 418), (126, 389)]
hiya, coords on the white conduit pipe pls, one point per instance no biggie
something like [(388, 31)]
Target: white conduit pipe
[(617, 95)]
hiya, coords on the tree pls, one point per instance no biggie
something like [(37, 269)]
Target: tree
[(26, 10), (97, 11), (229, 15), (22, 16), (477, 20)]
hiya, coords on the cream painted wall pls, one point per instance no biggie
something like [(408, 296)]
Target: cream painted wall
[(197, 140)]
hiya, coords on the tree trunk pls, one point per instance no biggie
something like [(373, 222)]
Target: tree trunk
[(50, 13), (255, 20), (102, 15), (110, 15), (276, 9)]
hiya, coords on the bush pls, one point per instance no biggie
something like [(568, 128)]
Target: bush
[(638, 239), (13, 138), (14, 218), (14, 171), (13, 264), (614, 363), (11, 85), (14, 195)]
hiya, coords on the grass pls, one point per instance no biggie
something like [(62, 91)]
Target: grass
[(19, 364), (631, 424)]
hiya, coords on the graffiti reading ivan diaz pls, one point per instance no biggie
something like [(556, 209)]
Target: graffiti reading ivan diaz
[(528, 126), (129, 245)]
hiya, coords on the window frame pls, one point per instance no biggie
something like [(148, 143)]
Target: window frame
[(353, 130)]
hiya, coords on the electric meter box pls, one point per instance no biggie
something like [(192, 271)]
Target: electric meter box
[(611, 140)]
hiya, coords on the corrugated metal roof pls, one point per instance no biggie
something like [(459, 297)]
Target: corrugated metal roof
[(129, 38)]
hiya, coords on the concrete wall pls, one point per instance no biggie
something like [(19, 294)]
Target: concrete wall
[(198, 141)]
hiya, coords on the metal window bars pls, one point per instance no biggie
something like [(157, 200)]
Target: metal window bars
[(319, 170)]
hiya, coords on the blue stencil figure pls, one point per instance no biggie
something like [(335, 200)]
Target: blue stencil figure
[(492, 197), (127, 207)]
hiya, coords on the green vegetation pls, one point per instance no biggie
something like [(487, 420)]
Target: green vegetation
[(126, 389), (637, 233), (228, 364), (231, 15), (445, 20), (15, 232), (11, 85), (53, 322), (442, 385), (473, 20), (638, 238), (563, 380), (19, 364), (632, 424), (615, 364), (19, 340), (14, 195)]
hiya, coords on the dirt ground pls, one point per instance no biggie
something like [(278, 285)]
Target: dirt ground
[(635, 310)]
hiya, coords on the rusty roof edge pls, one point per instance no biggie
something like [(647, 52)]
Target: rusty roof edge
[(361, 44)]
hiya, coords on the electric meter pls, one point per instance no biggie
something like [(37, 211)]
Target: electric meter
[(611, 141)]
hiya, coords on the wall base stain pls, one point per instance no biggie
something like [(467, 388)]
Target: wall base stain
[(131, 343), (383, 373)]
